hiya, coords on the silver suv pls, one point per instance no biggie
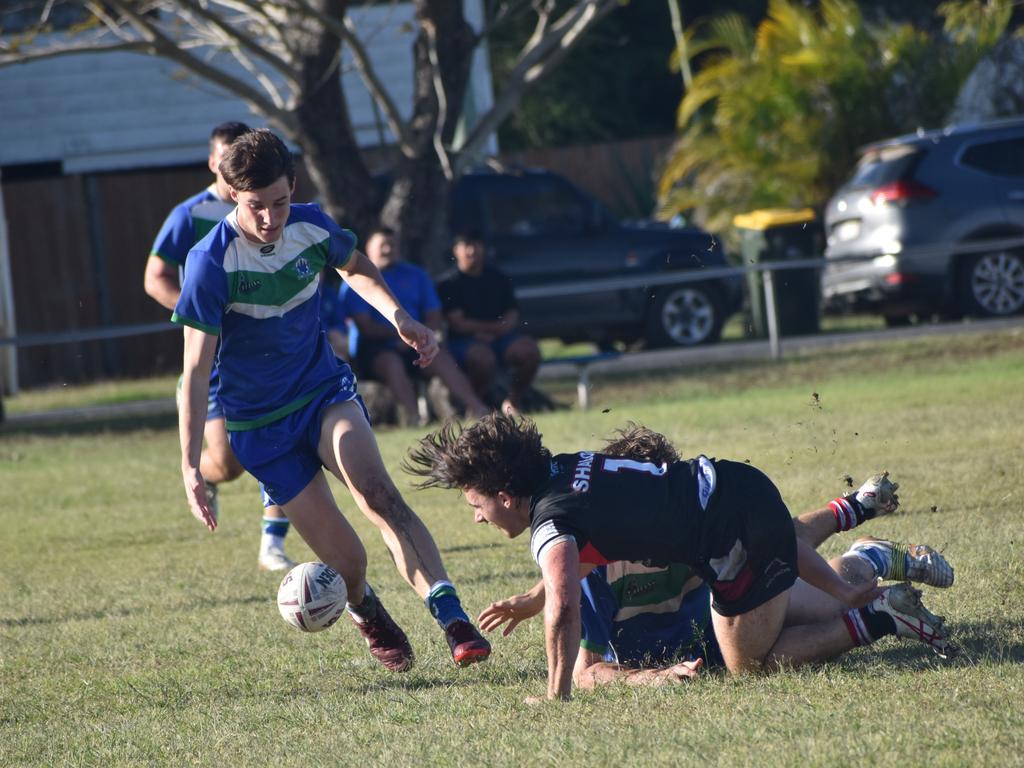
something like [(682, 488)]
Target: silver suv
[(931, 223)]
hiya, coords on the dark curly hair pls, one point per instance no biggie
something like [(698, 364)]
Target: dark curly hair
[(256, 160), (641, 443), (497, 453)]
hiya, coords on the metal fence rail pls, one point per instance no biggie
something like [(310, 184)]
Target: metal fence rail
[(623, 282)]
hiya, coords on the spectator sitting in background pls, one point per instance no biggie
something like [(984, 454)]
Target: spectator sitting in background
[(333, 318), (483, 323), (381, 354)]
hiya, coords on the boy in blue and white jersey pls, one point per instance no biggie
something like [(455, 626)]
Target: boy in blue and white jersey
[(290, 404), (185, 226)]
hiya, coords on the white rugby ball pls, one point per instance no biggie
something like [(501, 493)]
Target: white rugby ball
[(312, 596)]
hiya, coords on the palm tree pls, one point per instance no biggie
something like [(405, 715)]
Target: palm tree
[(775, 116)]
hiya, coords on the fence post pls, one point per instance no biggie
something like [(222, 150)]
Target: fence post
[(770, 314), (8, 357)]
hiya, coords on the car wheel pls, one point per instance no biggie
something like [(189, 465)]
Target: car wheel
[(992, 284), (684, 316)]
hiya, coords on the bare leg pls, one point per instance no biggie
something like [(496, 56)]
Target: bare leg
[(218, 463), (814, 527), (808, 605), (757, 641), (349, 450), (318, 520), (523, 360), (481, 367), (390, 369), (445, 368)]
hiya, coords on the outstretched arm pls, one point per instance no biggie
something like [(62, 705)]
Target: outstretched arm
[(591, 670), (519, 608), (561, 564), (365, 279), (816, 572), (195, 389)]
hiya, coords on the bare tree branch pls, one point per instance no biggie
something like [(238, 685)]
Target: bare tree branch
[(245, 42), (531, 65), (161, 45), (442, 102), (399, 128), (9, 57)]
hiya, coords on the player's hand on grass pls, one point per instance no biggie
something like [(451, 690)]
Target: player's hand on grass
[(199, 498), (513, 610), (679, 673), (419, 337)]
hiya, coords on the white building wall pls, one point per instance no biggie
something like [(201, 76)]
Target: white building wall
[(111, 111)]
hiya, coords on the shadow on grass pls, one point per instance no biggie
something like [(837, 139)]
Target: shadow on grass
[(90, 427), (120, 613), (986, 642)]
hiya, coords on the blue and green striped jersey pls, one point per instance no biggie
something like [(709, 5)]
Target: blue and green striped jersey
[(262, 300), (638, 615), (188, 223)]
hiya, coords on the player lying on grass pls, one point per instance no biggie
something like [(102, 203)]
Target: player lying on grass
[(291, 406), (651, 626), (724, 519)]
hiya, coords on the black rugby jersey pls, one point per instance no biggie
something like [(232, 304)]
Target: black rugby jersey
[(620, 509)]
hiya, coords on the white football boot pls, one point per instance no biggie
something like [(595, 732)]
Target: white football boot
[(913, 620), (905, 562)]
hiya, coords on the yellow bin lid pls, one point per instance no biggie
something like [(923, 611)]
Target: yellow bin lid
[(772, 217)]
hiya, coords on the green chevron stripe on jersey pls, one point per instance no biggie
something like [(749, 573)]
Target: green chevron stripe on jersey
[(639, 589), (282, 286), (269, 279)]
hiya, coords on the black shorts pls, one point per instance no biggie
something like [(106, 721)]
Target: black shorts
[(368, 351), (749, 548)]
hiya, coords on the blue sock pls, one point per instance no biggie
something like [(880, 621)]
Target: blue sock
[(444, 604), (275, 526)]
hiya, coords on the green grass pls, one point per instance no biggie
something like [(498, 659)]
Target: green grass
[(130, 636)]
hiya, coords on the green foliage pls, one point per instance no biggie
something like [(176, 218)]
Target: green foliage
[(130, 636), (776, 114)]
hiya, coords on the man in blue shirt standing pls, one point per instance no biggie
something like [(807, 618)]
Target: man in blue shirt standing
[(380, 353)]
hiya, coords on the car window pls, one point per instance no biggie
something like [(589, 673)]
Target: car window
[(1001, 158), (885, 165), (533, 206)]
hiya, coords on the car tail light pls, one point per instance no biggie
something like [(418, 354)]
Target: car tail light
[(902, 191), (900, 278)]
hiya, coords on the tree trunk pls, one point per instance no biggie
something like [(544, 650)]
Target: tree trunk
[(330, 152), (417, 206)]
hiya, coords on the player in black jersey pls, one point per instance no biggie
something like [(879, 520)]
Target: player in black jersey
[(724, 519)]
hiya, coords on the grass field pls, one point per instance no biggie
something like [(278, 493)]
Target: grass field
[(131, 636)]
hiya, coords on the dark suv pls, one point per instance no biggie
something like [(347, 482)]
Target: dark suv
[(549, 237), (937, 221)]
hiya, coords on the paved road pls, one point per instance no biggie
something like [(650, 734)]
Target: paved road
[(655, 360)]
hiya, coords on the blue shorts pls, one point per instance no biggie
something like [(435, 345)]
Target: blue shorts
[(283, 455), (213, 409), (460, 345)]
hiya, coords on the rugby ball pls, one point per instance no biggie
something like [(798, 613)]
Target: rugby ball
[(312, 597)]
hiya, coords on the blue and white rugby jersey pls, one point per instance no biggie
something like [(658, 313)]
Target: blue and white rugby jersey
[(640, 615), (263, 301), (188, 223)]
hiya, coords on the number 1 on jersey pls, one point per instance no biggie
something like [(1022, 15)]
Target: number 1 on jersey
[(617, 465)]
